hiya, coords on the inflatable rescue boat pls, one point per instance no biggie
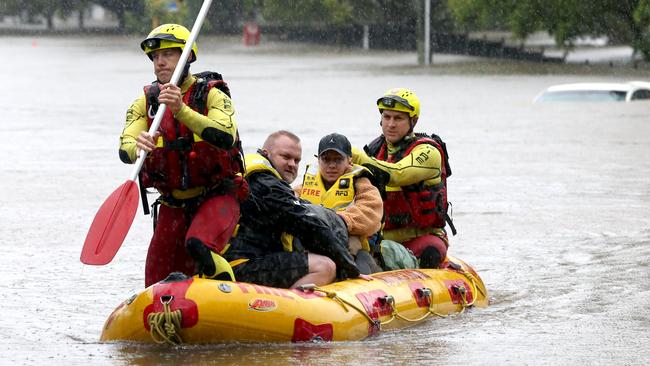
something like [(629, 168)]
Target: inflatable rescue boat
[(184, 309)]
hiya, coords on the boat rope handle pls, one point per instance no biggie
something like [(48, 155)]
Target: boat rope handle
[(463, 297), (463, 291), (334, 296), (395, 313), (391, 301), (472, 280), (386, 300), (165, 327)]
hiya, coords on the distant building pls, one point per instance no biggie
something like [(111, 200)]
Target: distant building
[(93, 17)]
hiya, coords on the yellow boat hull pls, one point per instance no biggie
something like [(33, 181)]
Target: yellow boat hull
[(196, 310)]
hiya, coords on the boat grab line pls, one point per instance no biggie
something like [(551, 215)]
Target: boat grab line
[(165, 326)]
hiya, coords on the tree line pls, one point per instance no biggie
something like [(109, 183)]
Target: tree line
[(135, 15), (622, 21)]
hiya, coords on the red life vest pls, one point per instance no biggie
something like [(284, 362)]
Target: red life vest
[(184, 160), (417, 205)]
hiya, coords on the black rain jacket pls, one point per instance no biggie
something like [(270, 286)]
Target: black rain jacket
[(272, 208)]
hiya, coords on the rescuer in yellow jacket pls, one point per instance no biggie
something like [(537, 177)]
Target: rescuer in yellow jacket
[(415, 168), (193, 159), (334, 182)]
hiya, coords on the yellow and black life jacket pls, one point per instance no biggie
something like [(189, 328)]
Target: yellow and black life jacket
[(257, 163), (338, 196)]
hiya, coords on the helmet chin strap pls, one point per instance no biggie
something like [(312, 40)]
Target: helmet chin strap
[(186, 71), (412, 122)]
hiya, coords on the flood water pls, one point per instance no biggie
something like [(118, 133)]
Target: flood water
[(551, 201)]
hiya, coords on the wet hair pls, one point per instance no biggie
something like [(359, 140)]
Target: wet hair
[(270, 141)]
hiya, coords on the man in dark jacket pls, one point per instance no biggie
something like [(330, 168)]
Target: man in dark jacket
[(282, 241)]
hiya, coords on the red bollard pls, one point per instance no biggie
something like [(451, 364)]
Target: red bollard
[(251, 34)]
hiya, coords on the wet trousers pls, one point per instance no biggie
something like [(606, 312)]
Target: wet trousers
[(419, 244), (211, 220)]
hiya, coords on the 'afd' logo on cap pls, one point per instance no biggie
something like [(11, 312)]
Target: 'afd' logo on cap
[(262, 305)]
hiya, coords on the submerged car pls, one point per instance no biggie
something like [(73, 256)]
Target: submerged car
[(596, 92)]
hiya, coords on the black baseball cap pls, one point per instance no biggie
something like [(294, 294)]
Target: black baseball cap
[(336, 142)]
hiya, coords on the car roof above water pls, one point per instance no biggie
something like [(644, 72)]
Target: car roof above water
[(593, 91)]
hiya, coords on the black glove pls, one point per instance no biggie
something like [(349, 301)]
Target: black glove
[(204, 265)]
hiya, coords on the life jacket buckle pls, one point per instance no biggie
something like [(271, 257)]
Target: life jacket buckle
[(179, 144)]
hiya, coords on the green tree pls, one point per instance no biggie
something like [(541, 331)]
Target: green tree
[(68, 7), (354, 12), (34, 9), (31, 10), (124, 9), (338, 12), (642, 17), (154, 13), (227, 16), (307, 11), (139, 18), (624, 21)]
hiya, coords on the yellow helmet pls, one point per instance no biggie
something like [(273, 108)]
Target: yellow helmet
[(167, 36), (401, 100)]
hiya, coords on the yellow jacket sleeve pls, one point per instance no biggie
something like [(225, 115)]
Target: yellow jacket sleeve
[(423, 163), (363, 216), (136, 122), (218, 127)]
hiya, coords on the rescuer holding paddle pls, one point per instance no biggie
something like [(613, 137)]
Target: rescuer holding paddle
[(193, 159)]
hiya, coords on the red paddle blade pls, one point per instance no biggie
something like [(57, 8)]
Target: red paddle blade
[(111, 224)]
